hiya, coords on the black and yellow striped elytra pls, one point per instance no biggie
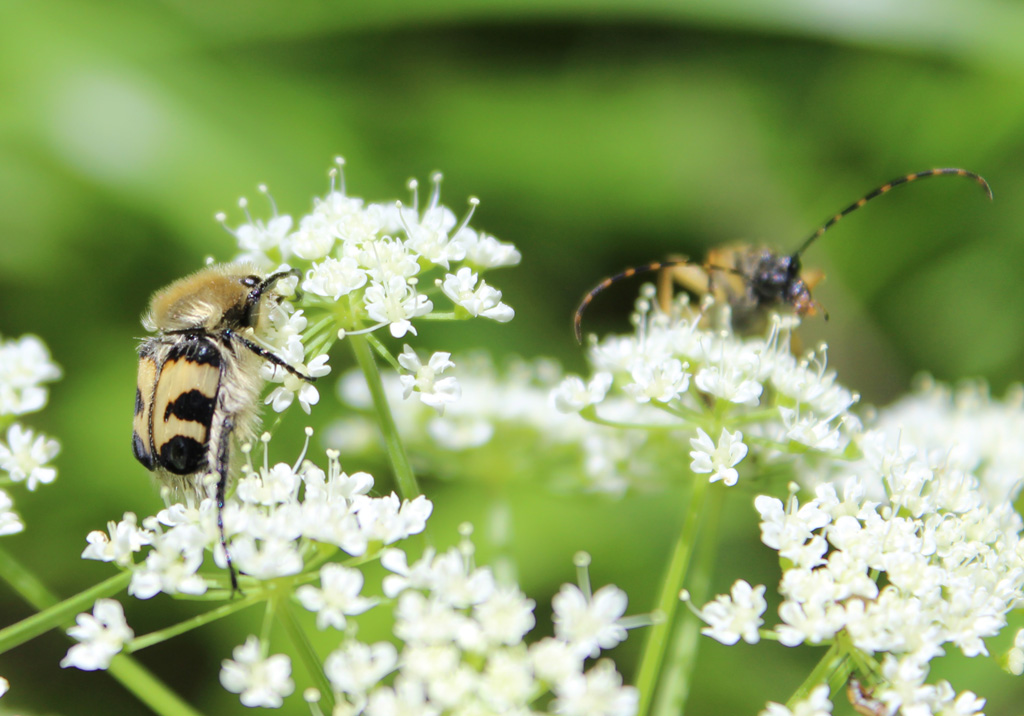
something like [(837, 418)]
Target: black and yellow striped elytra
[(199, 382), (183, 402), (768, 279)]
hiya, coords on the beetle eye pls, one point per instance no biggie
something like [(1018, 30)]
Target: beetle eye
[(251, 281)]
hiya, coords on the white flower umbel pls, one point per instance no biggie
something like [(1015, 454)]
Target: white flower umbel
[(460, 635), (101, 636), (679, 381), (910, 550), (424, 380), (284, 514), (367, 266), (259, 680)]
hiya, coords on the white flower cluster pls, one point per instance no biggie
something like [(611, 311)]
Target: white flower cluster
[(461, 632), (374, 259), (25, 365), (282, 514), (674, 372), (911, 548), (510, 415), (462, 644)]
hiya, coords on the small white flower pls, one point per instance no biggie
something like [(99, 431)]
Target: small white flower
[(661, 381), (355, 668), (25, 456), (507, 681), (816, 704), (405, 698), (272, 486), (429, 237), (257, 237), (394, 302), (334, 278), (485, 251), (455, 583), (729, 382), (387, 258), (293, 386), (5, 685), (311, 242), (419, 575), (589, 625), (275, 556), (572, 396), (719, 459), (421, 620), (1015, 656), (555, 661), (505, 617), (24, 364), (10, 521), (434, 392), (737, 615), (125, 539), (260, 681), (599, 692), (345, 218), (171, 565), (483, 300), (337, 597), (101, 634)]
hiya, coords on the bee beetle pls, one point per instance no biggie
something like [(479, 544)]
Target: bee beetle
[(753, 279), (199, 377)]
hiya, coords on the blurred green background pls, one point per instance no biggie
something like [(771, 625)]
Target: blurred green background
[(597, 134)]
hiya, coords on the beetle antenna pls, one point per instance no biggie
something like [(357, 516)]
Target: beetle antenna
[(629, 273), (885, 189)]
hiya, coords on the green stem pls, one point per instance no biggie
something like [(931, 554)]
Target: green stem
[(53, 614), (384, 353), (404, 475), (832, 662), (438, 316), (674, 689), (156, 637), (307, 654), (147, 688), (129, 673), (668, 600)]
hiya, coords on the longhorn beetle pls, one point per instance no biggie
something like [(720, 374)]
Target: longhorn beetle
[(768, 279)]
